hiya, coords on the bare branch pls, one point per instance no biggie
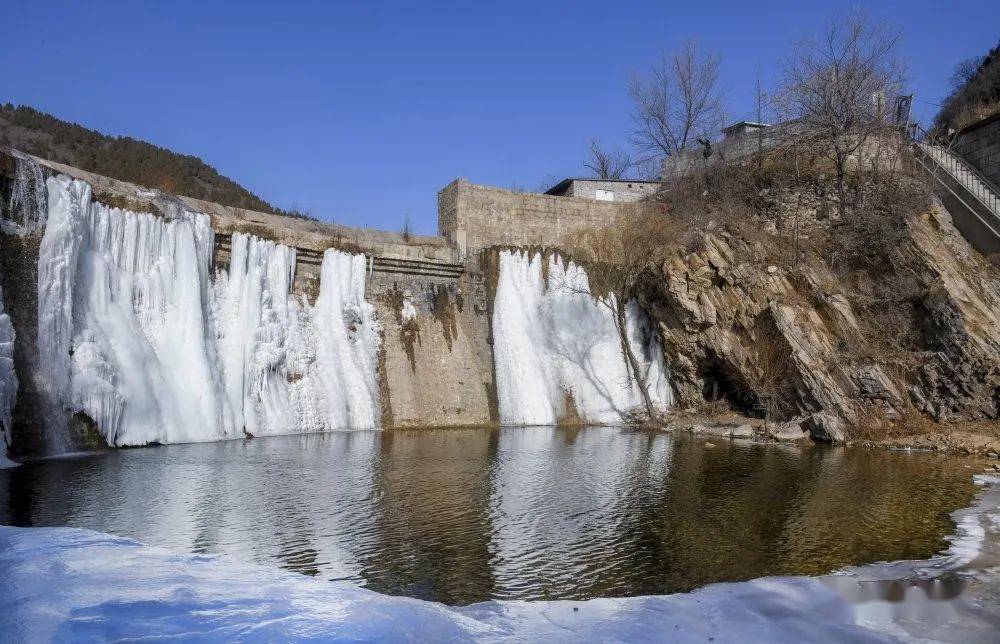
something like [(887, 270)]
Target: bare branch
[(965, 71), (677, 102), (838, 88), (605, 164)]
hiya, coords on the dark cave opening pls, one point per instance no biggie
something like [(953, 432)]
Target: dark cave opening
[(722, 383)]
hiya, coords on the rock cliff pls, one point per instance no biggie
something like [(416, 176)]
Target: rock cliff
[(795, 338)]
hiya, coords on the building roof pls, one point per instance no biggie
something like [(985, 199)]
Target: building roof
[(561, 187), (739, 124)]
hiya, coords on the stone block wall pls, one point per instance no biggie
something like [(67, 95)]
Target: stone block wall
[(979, 144), (474, 217)]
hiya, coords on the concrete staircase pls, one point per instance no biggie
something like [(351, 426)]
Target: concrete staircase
[(974, 202)]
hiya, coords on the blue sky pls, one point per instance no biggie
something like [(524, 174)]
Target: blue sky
[(361, 112)]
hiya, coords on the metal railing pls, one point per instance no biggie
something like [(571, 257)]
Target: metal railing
[(971, 182), (993, 225), (967, 175)]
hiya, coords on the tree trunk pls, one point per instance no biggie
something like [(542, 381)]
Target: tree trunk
[(840, 165), (841, 193), (633, 363)]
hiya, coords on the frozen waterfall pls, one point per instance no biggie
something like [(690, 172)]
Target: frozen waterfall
[(8, 381), (123, 332), (25, 214), (288, 366), (555, 345), (134, 332)]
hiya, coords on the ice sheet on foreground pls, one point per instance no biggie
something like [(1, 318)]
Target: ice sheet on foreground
[(66, 584)]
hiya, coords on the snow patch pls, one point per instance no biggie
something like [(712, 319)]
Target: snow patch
[(67, 584), (553, 340)]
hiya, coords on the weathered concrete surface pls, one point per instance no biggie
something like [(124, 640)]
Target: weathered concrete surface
[(436, 367)]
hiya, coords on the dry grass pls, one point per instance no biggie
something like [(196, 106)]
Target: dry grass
[(875, 425)]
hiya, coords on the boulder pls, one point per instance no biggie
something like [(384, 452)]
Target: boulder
[(790, 431), (826, 427)]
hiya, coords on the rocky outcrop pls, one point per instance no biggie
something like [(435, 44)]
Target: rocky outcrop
[(727, 314)]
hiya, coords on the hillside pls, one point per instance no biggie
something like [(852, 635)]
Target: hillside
[(975, 98), (121, 157)]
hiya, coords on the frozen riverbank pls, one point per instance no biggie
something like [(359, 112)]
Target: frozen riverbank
[(77, 585)]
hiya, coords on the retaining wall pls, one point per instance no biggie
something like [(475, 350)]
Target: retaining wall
[(979, 144), (474, 217)]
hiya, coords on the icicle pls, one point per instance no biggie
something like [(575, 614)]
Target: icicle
[(347, 346), (287, 366)]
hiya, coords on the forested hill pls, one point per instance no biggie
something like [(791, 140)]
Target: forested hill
[(976, 94), (121, 157)]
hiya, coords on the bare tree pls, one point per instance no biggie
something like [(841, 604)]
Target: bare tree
[(964, 72), (837, 88), (618, 255), (678, 102), (608, 164), (407, 230), (767, 377)]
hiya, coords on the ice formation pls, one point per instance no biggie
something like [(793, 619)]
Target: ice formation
[(554, 342), (8, 381), (347, 339), (133, 332), (123, 332), (257, 322), (25, 212), (407, 312), (288, 366)]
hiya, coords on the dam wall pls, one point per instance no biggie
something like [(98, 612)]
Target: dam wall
[(435, 364), (264, 320)]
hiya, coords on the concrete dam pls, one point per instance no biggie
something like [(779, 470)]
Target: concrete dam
[(130, 316)]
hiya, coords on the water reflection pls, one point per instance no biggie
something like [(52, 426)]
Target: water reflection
[(467, 515)]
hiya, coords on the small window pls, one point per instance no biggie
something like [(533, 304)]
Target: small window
[(604, 195)]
